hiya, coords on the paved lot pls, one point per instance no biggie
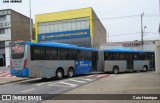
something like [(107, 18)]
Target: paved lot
[(126, 83), (5, 76), (39, 86)]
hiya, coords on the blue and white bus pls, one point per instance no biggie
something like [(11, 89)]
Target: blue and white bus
[(47, 60), (123, 60)]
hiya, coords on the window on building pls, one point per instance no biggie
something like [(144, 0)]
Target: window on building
[(52, 27), (3, 18), (47, 26), (69, 25), (63, 25), (56, 28), (2, 31), (83, 24), (74, 26)]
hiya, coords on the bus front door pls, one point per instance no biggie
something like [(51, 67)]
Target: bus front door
[(129, 61), (94, 61)]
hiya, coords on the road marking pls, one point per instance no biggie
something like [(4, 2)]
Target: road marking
[(90, 75), (4, 74), (28, 90), (88, 79), (73, 85), (39, 84), (102, 75), (77, 81), (9, 75), (63, 84)]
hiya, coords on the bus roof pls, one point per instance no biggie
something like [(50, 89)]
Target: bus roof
[(60, 45), (124, 50)]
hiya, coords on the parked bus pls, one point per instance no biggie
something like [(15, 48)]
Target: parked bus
[(123, 60), (47, 60)]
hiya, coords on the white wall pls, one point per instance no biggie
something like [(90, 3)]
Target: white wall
[(7, 35), (7, 53), (157, 56), (148, 46)]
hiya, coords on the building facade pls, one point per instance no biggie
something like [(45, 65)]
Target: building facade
[(79, 27), (149, 45), (13, 26), (157, 56)]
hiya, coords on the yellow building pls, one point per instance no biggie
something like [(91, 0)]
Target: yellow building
[(80, 27)]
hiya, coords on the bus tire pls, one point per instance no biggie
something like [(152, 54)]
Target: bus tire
[(44, 78), (70, 72), (115, 70), (59, 73), (145, 68)]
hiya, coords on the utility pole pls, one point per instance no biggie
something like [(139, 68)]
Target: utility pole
[(30, 21), (159, 22), (159, 6), (142, 30), (108, 36)]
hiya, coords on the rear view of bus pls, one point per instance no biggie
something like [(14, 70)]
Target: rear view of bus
[(18, 63)]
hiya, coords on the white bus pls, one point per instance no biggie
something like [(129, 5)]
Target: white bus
[(47, 60), (123, 60)]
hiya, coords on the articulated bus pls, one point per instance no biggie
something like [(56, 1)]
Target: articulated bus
[(123, 60), (47, 60)]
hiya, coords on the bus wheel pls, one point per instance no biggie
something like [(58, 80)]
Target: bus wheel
[(145, 68), (70, 72), (59, 74), (115, 70), (44, 78)]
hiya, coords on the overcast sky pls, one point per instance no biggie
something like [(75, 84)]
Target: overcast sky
[(120, 29)]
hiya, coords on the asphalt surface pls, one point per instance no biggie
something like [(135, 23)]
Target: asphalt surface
[(49, 86), (125, 83)]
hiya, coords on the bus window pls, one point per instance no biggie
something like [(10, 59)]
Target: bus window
[(37, 53), (138, 56), (51, 53), (122, 56), (62, 54), (108, 56), (115, 56), (84, 55), (72, 54), (17, 50)]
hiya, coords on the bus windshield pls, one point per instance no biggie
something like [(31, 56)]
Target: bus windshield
[(17, 50)]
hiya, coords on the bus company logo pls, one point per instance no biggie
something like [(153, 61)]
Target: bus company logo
[(43, 37), (6, 97), (12, 1)]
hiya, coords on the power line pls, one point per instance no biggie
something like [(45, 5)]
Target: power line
[(122, 17), (124, 34)]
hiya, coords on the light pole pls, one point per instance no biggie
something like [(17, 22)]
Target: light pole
[(159, 22), (30, 21), (142, 29)]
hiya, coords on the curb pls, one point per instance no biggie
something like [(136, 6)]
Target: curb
[(12, 81)]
